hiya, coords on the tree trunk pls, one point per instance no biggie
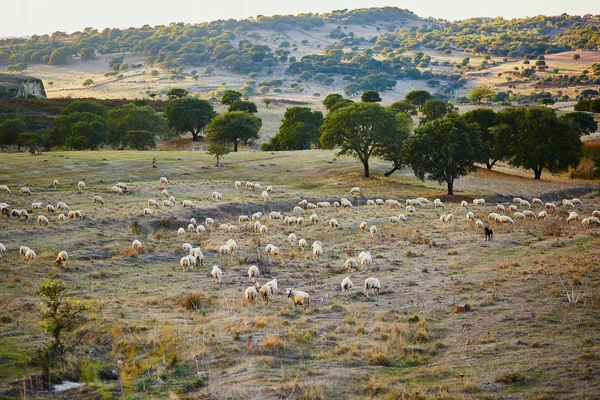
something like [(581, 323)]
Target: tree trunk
[(217, 156), (537, 172), (18, 146), (450, 184), (235, 144), (394, 169), (366, 165), (194, 136)]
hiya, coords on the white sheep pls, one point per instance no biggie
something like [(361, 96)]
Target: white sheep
[(78, 214), (355, 190), (529, 214), (191, 228), (423, 200), (317, 251), (147, 212), (298, 209), (250, 185), (596, 213), (505, 219), (224, 250), (371, 202), (346, 203), (167, 203), (233, 247), (15, 213), (185, 263), (470, 216), (373, 230), (346, 285), (4, 188), (136, 244), (275, 215), (269, 189), (180, 232), (311, 206), (24, 214), (298, 297), (55, 183), (524, 203), (535, 201), (550, 206), (186, 246), (62, 206), (411, 209), (116, 190), (542, 214), (37, 206), (42, 220), (217, 274), (576, 201), (292, 238), (393, 203), (479, 223), (62, 258), (302, 243), (197, 254), (253, 273), (237, 184), (365, 259), (23, 251), (573, 216), (200, 229), (333, 223), (209, 221), (268, 290), (30, 256), (402, 217), (263, 229), (379, 202), (478, 202), (394, 220), (172, 199), (516, 199), (243, 218), (500, 207), (513, 207), (492, 216), (323, 204), (100, 200), (81, 186), (257, 187), (25, 191), (274, 251), (163, 181), (371, 284), (264, 196), (251, 293), (519, 215), (2, 250), (187, 204), (438, 203), (464, 204), (351, 263), (50, 208), (62, 218), (314, 219)]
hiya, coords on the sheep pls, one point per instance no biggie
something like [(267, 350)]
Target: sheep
[(573, 216), (50, 208), (576, 201), (596, 213), (302, 243), (256, 216), (15, 213), (393, 203), (37, 206), (172, 200), (438, 203), (464, 204), (298, 297), (371, 284), (516, 199), (251, 294), (232, 246), (346, 285), (303, 203), (568, 204), (2, 250), (300, 221), (147, 212), (78, 214), (298, 209), (535, 201), (323, 204), (62, 206), (266, 291), (371, 202), (209, 221), (292, 238), (23, 251), (314, 219), (334, 224), (478, 202), (24, 214), (275, 215), (55, 183), (492, 216), (423, 200), (505, 219), (402, 217), (264, 196), (187, 204), (136, 244), (585, 222), (42, 220), (197, 254), (62, 218), (449, 218), (237, 184), (100, 200), (250, 185), (269, 189), (200, 229), (529, 214), (500, 207), (394, 220), (192, 261), (217, 274), (30, 256), (263, 229), (186, 247), (411, 209), (253, 273), (274, 251), (593, 220), (185, 263), (25, 191), (167, 203), (180, 232), (470, 216), (116, 190), (550, 206), (163, 181), (479, 223), (81, 186), (365, 259), (224, 250), (379, 202), (542, 214), (351, 263), (4, 188), (317, 251), (317, 243), (373, 230), (257, 187), (62, 258), (191, 228), (524, 203), (346, 204), (513, 208), (519, 215), (121, 186)]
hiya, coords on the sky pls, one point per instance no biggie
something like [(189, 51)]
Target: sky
[(28, 17)]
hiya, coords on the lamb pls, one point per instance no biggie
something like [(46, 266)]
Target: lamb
[(25, 191), (373, 230), (23, 251), (180, 232), (302, 243), (346, 285), (464, 204), (314, 219), (264, 196), (50, 208), (478, 202), (62, 206), (147, 212), (62, 258), (237, 184), (470, 216), (116, 190), (163, 181), (371, 284), (81, 186), (292, 238), (100, 200), (42, 220), (30, 256), (37, 206), (524, 203), (187, 204), (251, 294), (200, 229), (136, 244), (535, 201), (253, 273), (334, 224), (573, 216), (217, 274), (351, 263), (298, 297), (55, 183), (165, 194), (4, 188), (197, 254)]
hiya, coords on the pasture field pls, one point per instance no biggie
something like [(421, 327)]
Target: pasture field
[(159, 332)]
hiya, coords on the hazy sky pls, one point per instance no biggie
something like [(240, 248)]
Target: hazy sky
[(27, 17)]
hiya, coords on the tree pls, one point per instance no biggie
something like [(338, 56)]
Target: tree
[(434, 109), (189, 115), (544, 141), (403, 106), (443, 150), (177, 93), (478, 94), (418, 97), (31, 140), (230, 96), (140, 140), (584, 123), (546, 101), (209, 71), (218, 150), (60, 56), (240, 105), (576, 57), (87, 135), (88, 82), (85, 106), (299, 130), (131, 117), (370, 96), (267, 101), (10, 130), (87, 53), (494, 136), (393, 149), (233, 127), (359, 130)]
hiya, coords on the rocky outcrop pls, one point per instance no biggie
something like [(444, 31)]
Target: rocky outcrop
[(20, 86)]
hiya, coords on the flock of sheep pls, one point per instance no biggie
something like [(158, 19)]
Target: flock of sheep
[(521, 209)]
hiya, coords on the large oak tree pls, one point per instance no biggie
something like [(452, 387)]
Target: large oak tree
[(189, 115), (233, 127)]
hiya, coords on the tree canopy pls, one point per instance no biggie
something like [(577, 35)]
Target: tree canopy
[(241, 105), (230, 96), (130, 117), (299, 130), (418, 98), (189, 115), (10, 130), (477, 95), (233, 127), (392, 149), (370, 96)]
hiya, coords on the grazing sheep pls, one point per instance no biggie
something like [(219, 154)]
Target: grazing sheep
[(55, 183), (513, 207), (243, 218), (596, 213), (180, 232), (298, 297), (264, 196), (394, 220), (167, 203), (185, 263), (2, 250), (23, 251), (371, 284), (333, 223), (186, 247), (568, 204), (500, 207), (197, 254), (438, 203), (402, 217), (479, 223), (136, 244), (573, 216), (263, 229), (224, 250), (100, 200), (172, 200), (411, 209), (4, 188), (209, 221), (275, 215), (311, 206), (516, 199), (464, 204), (25, 191), (365, 259), (371, 202), (524, 203), (269, 189), (81, 186), (529, 214), (292, 238), (62, 258), (78, 214), (42, 220), (24, 214), (257, 187), (593, 220), (200, 229), (121, 186), (505, 219), (317, 251), (50, 208), (165, 194), (232, 246), (519, 215), (351, 263), (303, 203), (379, 202), (470, 216), (274, 251), (116, 190), (346, 285), (62, 206), (253, 273), (355, 190), (237, 184), (478, 202), (535, 201), (250, 185), (256, 216), (268, 290), (62, 217), (550, 206), (187, 204), (314, 219), (576, 201), (298, 209), (163, 181), (147, 212), (191, 228), (423, 200), (302, 243), (251, 293), (37, 206), (30, 256), (492, 216), (443, 218), (373, 230), (217, 274), (393, 203), (346, 203), (15, 213), (542, 214), (323, 204)]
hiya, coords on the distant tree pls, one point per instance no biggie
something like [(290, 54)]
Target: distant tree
[(88, 82), (189, 115), (10, 130), (229, 96), (576, 57), (335, 101), (392, 149), (370, 96), (140, 140), (443, 150), (263, 90), (130, 117), (85, 106), (478, 94), (418, 98), (403, 106), (60, 56), (218, 150), (546, 101), (233, 127), (359, 130), (209, 71), (267, 101), (240, 105), (20, 67), (87, 135), (588, 94), (177, 93), (30, 139), (434, 109), (299, 130), (584, 123), (154, 73)]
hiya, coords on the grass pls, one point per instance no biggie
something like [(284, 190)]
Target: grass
[(172, 333)]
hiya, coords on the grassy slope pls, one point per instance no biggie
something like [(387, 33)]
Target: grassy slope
[(521, 338)]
